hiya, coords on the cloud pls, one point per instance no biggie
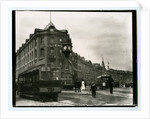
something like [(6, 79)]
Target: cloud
[(93, 34)]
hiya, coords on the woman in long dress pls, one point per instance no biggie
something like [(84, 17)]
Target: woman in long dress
[(82, 85)]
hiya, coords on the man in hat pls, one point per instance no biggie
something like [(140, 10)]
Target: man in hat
[(93, 89), (110, 83)]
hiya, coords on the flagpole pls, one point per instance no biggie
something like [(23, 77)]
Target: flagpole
[(50, 17)]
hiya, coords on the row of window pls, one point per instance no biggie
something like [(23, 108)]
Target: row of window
[(52, 40), (27, 58), (27, 79), (33, 55), (25, 65), (52, 50), (33, 44), (29, 47)]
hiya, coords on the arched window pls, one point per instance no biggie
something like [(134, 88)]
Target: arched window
[(28, 57), (42, 52), (35, 53)]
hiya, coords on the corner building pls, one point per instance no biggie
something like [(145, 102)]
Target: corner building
[(43, 51)]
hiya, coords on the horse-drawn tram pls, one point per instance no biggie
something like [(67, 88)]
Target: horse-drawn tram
[(40, 84)]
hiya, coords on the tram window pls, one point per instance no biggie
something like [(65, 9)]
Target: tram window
[(20, 80), (30, 79), (34, 78), (37, 77), (45, 76), (26, 79)]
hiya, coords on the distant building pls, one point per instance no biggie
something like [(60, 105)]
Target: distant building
[(120, 76)]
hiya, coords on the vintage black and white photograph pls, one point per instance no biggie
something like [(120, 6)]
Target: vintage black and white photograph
[(79, 58)]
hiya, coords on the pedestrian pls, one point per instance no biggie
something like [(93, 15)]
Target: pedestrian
[(93, 89), (82, 85), (75, 86), (85, 85), (79, 86), (110, 84)]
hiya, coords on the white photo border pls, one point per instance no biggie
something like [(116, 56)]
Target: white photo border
[(7, 111)]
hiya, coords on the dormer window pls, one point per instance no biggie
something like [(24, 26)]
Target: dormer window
[(51, 29)]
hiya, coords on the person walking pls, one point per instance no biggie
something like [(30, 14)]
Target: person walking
[(79, 86), (110, 84), (75, 86), (93, 89), (82, 85)]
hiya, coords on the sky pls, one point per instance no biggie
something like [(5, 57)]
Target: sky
[(94, 34)]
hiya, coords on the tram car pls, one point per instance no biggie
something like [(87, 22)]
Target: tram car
[(102, 82), (41, 84)]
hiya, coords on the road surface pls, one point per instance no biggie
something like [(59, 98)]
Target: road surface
[(120, 96)]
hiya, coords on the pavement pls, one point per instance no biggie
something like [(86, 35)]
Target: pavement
[(120, 97)]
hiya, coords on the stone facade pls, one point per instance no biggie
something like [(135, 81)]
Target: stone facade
[(45, 48)]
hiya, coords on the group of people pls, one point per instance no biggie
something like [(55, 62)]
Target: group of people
[(82, 86), (110, 84)]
